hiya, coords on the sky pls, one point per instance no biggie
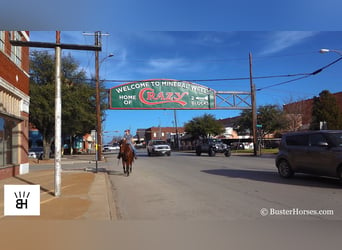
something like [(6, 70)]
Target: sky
[(202, 57), (198, 41)]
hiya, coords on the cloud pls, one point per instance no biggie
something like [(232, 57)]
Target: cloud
[(282, 40), (167, 65)]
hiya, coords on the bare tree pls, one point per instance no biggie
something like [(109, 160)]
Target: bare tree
[(296, 113)]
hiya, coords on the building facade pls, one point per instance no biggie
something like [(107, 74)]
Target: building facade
[(300, 113), (14, 104)]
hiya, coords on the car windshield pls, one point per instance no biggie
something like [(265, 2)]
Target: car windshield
[(336, 139), (159, 143), (216, 140), (35, 149)]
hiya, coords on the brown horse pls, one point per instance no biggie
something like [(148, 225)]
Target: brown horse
[(127, 156)]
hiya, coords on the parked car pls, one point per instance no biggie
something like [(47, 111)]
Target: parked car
[(158, 147), (109, 147), (237, 145), (312, 152), (213, 146), (36, 153)]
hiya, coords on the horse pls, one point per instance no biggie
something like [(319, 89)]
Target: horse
[(127, 156)]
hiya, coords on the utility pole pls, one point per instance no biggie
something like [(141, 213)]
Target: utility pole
[(98, 99), (254, 114), (98, 147), (175, 117), (58, 109), (58, 117)]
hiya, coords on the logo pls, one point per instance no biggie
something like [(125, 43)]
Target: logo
[(22, 200), (153, 98)]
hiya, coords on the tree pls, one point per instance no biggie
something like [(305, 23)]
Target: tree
[(204, 126), (271, 117), (78, 98), (326, 109), (244, 124)]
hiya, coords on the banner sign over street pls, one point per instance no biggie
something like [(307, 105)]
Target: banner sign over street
[(162, 94)]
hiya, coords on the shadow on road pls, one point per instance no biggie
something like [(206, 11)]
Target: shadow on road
[(273, 177), (114, 172)]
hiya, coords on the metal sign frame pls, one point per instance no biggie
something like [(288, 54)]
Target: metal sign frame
[(174, 94)]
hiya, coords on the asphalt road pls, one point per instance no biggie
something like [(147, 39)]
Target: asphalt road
[(185, 187)]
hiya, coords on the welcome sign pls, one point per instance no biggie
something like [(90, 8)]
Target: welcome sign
[(162, 94)]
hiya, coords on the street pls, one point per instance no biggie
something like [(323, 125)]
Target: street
[(185, 187)]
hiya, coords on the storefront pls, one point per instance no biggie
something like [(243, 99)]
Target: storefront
[(14, 105), (13, 133)]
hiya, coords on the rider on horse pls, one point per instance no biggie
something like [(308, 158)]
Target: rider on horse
[(128, 138)]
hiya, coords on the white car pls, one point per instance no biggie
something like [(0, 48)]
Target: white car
[(36, 153), (108, 147), (158, 147)]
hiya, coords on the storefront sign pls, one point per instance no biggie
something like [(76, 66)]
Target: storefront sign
[(162, 94)]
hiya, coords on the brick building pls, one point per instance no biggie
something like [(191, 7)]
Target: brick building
[(14, 104), (163, 133), (300, 113)]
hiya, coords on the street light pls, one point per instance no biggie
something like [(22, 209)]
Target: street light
[(98, 107), (330, 50), (110, 55)]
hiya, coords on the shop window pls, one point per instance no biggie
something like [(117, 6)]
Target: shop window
[(6, 154)]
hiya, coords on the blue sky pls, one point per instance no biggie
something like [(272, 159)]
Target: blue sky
[(194, 40), (207, 55)]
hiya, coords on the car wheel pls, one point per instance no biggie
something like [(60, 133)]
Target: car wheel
[(228, 153), (339, 174), (284, 169), (211, 152), (198, 151), (168, 154)]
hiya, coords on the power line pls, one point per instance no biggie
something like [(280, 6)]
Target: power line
[(219, 79), (183, 59), (305, 76), (301, 76)]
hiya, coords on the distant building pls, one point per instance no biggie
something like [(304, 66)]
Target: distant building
[(14, 104), (140, 136), (229, 125), (300, 113), (162, 133)]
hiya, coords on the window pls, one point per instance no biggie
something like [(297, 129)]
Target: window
[(16, 50), (336, 139), (6, 127), (2, 40), (316, 139), (297, 140)]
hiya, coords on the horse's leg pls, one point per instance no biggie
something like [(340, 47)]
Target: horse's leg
[(123, 166), (127, 169)]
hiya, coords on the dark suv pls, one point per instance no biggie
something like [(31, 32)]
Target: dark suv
[(213, 146), (312, 152)]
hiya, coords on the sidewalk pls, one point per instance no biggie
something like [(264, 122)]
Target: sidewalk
[(85, 195)]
